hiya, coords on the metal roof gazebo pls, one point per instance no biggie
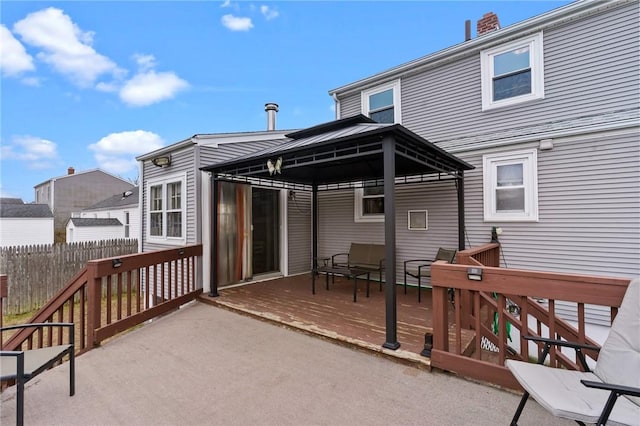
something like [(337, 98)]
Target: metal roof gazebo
[(340, 154)]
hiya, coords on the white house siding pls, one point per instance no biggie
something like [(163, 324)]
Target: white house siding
[(82, 234), (134, 222), (337, 229), (25, 231), (299, 233)]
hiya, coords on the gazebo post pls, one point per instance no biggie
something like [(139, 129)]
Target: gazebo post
[(460, 190), (314, 225), (213, 292), (389, 165)]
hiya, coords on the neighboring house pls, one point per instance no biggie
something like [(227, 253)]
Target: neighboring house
[(76, 191), (81, 229), (24, 224), (546, 110), (115, 217)]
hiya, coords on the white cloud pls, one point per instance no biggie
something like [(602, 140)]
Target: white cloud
[(237, 23), (269, 13), (65, 47), (151, 87), (31, 81), (14, 59), (226, 3), (116, 152), (38, 153), (145, 62)]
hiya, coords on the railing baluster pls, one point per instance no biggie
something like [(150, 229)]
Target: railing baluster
[(502, 328), (524, 320), (552, 330), (119, 296), (60, 319), (458, 316), (129, 289), (109, 299), (478, 324)]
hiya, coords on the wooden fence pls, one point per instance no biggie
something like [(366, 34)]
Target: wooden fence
[(37, 272)]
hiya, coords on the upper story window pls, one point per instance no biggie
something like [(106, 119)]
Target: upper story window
[(382, 103), (126, 224), (511, 186), (512, 73), (166, 203), (369, 203)]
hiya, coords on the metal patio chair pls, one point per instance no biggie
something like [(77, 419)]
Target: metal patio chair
[(421, 268), (24, 365), (609, 393)]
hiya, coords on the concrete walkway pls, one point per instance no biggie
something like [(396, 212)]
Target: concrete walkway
[(206, 366)]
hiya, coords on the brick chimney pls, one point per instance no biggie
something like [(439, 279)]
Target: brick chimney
[(489, 22), (71, 171)]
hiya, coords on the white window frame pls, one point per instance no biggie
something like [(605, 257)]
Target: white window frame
[(358, 214), (164, 181), (536, 61), (366, 94), (529, 161)]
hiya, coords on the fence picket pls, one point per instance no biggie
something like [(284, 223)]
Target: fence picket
[(36, 272)]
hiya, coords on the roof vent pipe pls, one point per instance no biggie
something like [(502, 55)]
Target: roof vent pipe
[(271, 109), (467, 30)]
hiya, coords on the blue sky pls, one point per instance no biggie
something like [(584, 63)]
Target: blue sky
[(90, 85)]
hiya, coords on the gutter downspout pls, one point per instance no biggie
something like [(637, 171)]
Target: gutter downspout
[(337, 105)]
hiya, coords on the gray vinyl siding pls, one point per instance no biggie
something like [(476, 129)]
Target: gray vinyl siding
[(590, 68), (589, 211), (337, 229), (299, 233), (181, 161)]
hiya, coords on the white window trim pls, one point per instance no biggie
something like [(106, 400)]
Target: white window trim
[(529, 159), (358, 215), (395, 85), (179, 177), (535, 44)]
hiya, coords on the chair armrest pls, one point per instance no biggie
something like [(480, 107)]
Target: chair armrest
[(424, 262), (333, 258), (324, 260), (578, 347), (620, 389), (37, 325), (555, 342)]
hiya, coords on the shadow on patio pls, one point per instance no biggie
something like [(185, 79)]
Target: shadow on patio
[(202, 365), (332, 313)]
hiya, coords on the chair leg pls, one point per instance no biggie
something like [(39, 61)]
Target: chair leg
[(516, 416), (405, 282), (419, 289), (606, 412)]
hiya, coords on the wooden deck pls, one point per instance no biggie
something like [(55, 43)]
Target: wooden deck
[(333, 315)]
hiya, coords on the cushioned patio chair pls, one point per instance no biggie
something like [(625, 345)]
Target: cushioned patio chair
[(23, 366), (608, 395), (421, 268)]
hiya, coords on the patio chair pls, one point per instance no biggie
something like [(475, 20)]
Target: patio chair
[(611, 393), (421, 268), (23, 366)]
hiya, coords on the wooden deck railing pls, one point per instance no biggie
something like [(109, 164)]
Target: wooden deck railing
[(112, 295), (524, 299)]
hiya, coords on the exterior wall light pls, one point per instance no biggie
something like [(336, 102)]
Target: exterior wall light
[(474, 274), (116, 263), (164, 161)]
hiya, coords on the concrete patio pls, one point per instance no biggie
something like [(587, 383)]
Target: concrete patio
[(206, 365)]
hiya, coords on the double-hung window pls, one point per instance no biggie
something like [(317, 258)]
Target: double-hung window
[(382, 103), (167, 209), (369, 203), (510, 186), (512, 73)]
